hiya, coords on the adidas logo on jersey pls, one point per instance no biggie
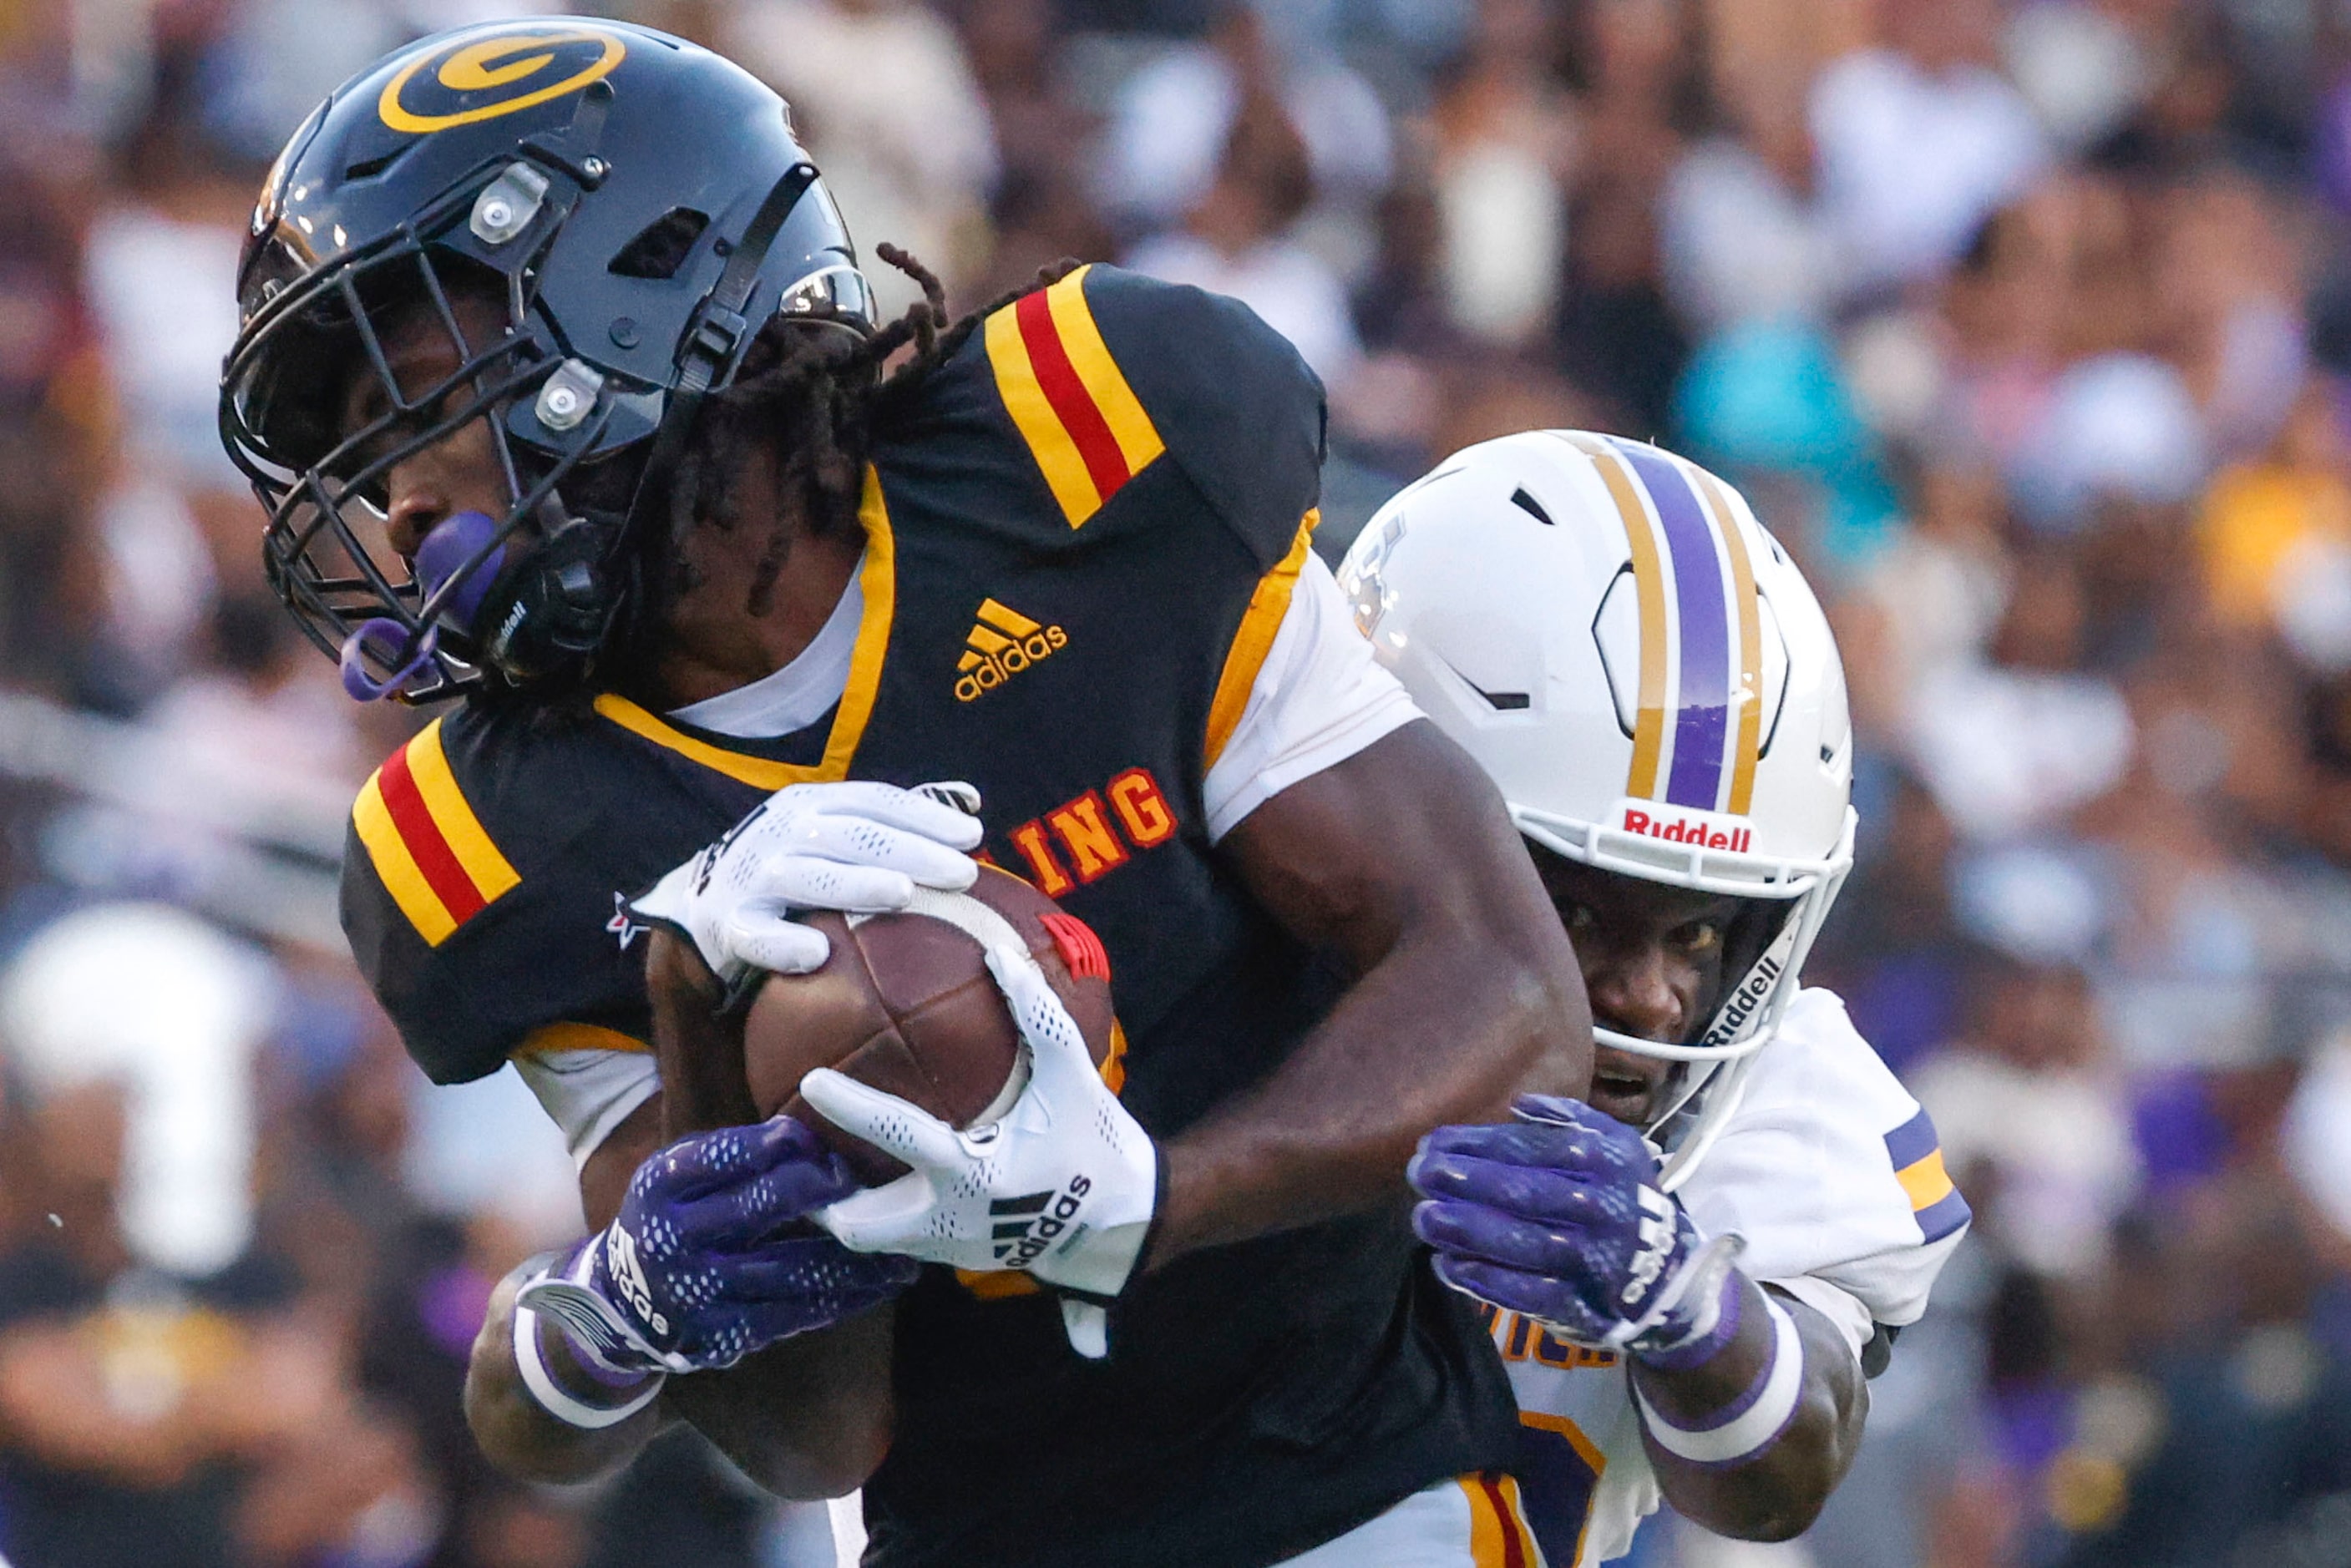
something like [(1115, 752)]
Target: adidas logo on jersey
[(1001, 644), (1026, 1226)]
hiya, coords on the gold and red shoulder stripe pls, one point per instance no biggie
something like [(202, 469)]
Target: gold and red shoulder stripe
[(1068, 397), (1498, 1536), (428, 848)]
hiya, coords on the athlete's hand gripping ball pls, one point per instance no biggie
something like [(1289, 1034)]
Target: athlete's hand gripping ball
[(1063, 1185), (858, 847), (1558, 1215), (711, 1255)]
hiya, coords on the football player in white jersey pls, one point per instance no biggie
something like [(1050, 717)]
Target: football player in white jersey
[(1693, 1273)]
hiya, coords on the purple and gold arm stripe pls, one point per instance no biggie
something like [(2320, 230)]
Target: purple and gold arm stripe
[(1917, 1157)]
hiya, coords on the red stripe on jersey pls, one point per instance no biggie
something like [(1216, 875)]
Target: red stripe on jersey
[(1058, 379), (1514, 1551), (414, 819)]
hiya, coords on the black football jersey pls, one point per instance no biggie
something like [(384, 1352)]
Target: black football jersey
[(1078, 549)]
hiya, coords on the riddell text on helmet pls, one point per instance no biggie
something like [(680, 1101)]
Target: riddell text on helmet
[(1697, 835)]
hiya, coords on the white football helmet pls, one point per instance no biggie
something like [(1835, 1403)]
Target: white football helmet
[(1648, 679)]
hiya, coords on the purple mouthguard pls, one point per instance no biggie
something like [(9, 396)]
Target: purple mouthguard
[(444, 552), (383, 639)]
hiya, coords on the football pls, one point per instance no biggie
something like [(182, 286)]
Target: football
[(904, 1002)]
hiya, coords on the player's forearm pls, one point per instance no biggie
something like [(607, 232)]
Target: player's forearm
[(809, 1418), (1403, 860), (1331, 1130), (1775, 1494), (517, 1432)]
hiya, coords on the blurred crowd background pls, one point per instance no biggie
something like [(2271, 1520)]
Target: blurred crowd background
[(2026, 326)]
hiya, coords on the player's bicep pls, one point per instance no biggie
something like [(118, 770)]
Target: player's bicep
[(1404, 833)]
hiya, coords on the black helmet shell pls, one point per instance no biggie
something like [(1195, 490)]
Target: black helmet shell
[(614, 181)]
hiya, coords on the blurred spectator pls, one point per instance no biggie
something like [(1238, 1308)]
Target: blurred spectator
[(1919, 139), (130, 1399), (883, 93), (1172, 121), (1042, 211), (1506, 147), (1237, 237), (164, 1005), (1931, 601), (2032, 1121), (2019, 740), (2087, 68), (2117, 427), (1743, 238), (2270, 521)]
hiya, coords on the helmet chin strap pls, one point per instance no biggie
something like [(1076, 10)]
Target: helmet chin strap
[(1713, 1072)]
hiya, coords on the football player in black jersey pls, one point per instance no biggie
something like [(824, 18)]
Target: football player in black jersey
[(561, 386)]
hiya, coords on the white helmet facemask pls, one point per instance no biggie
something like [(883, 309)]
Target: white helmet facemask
[(1651, 683)]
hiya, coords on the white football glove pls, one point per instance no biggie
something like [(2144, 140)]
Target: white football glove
[(858, 847), (1063, 1185)]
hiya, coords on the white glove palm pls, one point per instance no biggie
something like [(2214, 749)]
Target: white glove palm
[(858, 847), (1063, 1185)]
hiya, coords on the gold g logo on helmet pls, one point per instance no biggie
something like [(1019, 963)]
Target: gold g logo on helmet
[(463, 82)]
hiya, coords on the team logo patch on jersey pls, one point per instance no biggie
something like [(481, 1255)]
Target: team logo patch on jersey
[(464, 80), (427, 846), (1068, 398), (1917, 1156), (623, 925), (1002, 643)]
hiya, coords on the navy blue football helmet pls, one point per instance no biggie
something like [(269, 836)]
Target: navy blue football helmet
[(642, 207)]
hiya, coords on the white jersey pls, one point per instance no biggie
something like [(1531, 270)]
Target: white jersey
[(1833, 1175)]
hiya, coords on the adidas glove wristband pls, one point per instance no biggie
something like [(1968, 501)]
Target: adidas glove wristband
[(599, 1394), (1142, 1252)]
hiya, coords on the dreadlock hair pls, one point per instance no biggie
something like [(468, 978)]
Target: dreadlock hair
[(811, 401)]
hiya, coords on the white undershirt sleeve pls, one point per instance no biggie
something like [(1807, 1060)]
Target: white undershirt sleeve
[(1840, 1308), (587, 1093), (1320, 697)]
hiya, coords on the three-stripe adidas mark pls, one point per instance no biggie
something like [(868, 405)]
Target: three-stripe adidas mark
[(1026, 1226), (1002, 643), (1010, 1232)]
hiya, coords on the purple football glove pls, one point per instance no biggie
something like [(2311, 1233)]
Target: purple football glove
[(711, 1255), (1559, 1216)]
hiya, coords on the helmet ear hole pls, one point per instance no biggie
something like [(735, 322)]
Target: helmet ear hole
[(660, 247)]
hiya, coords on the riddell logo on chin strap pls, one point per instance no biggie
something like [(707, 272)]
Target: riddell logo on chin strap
[(1002, 643), (1752, 994), (1696, 833)]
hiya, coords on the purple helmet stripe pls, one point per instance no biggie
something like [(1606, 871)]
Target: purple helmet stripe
[(1703, 720)]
